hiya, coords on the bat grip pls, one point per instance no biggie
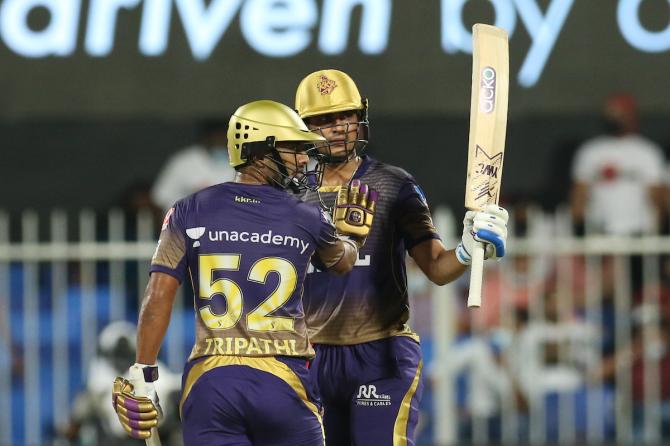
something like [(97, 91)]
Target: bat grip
[(154, 440), (476, 270), (137, 380)]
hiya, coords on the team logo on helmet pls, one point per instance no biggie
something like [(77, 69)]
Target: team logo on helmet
[(325, 85)]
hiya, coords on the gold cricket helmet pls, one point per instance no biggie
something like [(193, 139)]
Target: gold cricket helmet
[(328, 91), (255, 128), (332, 91)]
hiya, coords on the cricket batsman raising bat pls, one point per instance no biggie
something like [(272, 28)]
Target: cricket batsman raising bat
[(485, 224)]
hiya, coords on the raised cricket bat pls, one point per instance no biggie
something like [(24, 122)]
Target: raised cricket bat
[(488, 125), (137, 380)]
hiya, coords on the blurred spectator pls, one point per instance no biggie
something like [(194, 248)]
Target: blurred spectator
[(136, 203), (482, 382), (93, 419), (553, 353), (617, 177), (651, 348), (195, 167), (553, 357)]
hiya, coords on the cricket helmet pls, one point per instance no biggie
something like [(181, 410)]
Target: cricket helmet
[(255, 129), (266, 122), (331, 91)]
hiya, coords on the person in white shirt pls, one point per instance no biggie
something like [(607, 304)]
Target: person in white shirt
[(553, 357), (93, 419), (617, 177), (195, 167)]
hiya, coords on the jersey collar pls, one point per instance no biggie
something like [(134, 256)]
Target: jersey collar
[(366, 162)]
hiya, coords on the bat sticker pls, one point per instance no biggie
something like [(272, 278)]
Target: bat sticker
[(488, 167)]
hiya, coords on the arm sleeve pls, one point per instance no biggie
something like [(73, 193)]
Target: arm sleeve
[(170, 254), (413, 215)]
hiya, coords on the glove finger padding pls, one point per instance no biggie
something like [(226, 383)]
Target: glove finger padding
[(488, 226), (137, 414), (493, 214), (354, 190), (354, 210)]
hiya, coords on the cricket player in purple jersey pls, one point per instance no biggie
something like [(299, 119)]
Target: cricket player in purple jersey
[(245, 248), (368, 361)]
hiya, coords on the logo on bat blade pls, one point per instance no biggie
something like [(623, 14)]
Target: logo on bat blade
[(495, 159), (487, 90), (487, 170)]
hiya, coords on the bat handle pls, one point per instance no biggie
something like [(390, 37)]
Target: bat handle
[(476, 270), (137, 380), (154, 440)]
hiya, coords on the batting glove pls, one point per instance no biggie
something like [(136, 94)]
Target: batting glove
[(488, 226), (138, 414), (355, 210)]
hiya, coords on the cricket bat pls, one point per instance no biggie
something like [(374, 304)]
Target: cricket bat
[(137, 380), (488, 125)]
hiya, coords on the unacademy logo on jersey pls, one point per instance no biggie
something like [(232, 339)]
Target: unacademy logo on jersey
[(266, 238), (367, 396)]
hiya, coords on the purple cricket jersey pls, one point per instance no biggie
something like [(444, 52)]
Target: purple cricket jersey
[(370, 302), (246, 249)]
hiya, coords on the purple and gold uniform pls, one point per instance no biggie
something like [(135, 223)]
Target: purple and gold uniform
[(246, 249), (368, 361)]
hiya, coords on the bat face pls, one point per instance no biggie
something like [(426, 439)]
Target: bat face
[(488, 115)]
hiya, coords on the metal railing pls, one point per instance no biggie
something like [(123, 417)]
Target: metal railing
[(598, 301), (56, 295), (546, 359)]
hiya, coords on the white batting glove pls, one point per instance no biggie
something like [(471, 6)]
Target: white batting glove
[(488, 226)]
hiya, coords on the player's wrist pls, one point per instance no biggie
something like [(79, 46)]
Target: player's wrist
[(462, 255), (355, 240), (149, 371), (143, 377)]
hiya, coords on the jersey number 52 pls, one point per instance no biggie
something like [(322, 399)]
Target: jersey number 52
[(257, 319)]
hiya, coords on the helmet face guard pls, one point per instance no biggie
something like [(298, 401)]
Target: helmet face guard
[(352, 147), (285, 176), (301, 179)]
